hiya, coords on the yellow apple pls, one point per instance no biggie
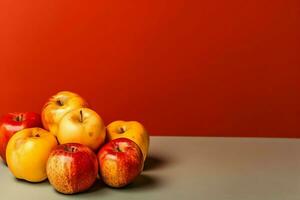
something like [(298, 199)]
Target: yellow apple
[(83, 126), (132, 130), (59, 105), (27, 153)]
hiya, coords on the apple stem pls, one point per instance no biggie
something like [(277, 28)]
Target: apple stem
[(122, 129), (19, 118), (59, 102), (73, 149), (81, 117), (118, 149)]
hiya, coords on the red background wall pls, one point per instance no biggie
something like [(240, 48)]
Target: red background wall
[(181, 67)]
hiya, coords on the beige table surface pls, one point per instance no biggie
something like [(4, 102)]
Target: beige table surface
[(194, 168)]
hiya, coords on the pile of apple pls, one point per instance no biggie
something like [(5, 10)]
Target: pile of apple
[(70, 145)]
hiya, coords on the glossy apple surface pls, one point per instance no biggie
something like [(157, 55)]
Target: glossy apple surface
[(120, 161), (82, 126), (59, 105), (72, 168), (132, 130), (14, 122), (27, 153)]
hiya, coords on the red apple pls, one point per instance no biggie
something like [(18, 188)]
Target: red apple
[(14, 122), (72, 168), (120, 161)]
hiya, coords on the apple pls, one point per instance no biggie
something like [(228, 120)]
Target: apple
[(27, 153), (120, 162), (83, 126), (72, 168), (132, 130), (14, 122), (59, 105)]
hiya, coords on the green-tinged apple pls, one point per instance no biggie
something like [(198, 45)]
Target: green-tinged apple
[(83, 126), (120, 162), (59, 105), (14, 122), (72, 168)]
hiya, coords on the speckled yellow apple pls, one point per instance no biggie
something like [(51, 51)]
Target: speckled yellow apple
[(59, 105), (27, 153), (83, 126), (132, 130)]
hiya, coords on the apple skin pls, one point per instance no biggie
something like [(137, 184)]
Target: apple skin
[(120, 162), (83, 126), (59, 105), (72, 168), (14, 122), (27, 153), (132, 130)]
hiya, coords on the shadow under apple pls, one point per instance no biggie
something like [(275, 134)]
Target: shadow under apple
[(41, 183), (142, 182), (2, 162), (154, 162), (98, 187)]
